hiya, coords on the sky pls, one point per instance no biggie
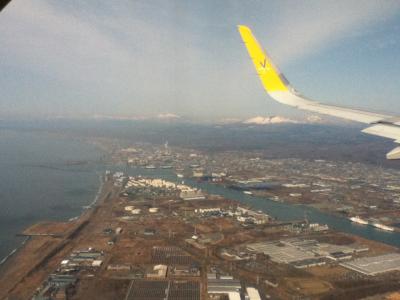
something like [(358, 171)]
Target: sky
[(91, 58)]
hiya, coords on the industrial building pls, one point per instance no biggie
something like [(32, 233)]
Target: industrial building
[(375, 264), (282, 252), (230, 287), (252, 293), (303, 253)]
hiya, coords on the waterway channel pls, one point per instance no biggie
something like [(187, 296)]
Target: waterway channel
[(279, 210)]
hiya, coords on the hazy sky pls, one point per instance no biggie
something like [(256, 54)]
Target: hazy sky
[(142, 58)]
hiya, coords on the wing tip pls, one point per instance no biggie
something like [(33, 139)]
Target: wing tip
[(243, 28)]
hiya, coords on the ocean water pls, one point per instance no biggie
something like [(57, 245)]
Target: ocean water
[(39, 181)]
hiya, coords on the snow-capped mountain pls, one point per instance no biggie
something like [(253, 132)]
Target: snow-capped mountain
[(259, 120)]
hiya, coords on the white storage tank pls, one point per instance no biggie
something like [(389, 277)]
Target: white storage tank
[(136, 211)]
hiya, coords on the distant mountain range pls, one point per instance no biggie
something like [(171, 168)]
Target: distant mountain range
[(260, 120), (168, 116), (307, 138), (171, 117)]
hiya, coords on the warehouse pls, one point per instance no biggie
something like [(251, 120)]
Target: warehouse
[(281, 252), (375, 265)]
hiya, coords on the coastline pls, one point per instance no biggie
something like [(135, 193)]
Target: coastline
[(84, 232), (93, 203), (9, 258), (40, 183), (44, 244), (14, 251)]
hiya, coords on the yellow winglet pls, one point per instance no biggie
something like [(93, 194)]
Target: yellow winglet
[(268, 73)]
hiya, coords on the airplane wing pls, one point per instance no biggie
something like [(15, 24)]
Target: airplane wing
[(279, 88), (4, 4)]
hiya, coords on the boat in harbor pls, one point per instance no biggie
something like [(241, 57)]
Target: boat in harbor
[(179, 175), (383, 227), (358, 220)]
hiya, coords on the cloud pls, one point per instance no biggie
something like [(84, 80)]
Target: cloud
[(39, 36), (303, 28), (147, 57), (119, 60)]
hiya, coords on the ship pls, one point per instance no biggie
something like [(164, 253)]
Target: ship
[(179, 175), (383, 227), (358, 220)]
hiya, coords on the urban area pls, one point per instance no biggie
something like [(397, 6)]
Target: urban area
[(154, 234)]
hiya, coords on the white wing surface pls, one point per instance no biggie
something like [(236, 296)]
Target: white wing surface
[(278, 87)]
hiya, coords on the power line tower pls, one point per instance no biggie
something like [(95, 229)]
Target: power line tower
[(166, 148)]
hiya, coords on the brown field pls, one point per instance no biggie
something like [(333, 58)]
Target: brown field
[(101, 289), (327, 272), (50, 228), (131, 252), (308, 286)]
